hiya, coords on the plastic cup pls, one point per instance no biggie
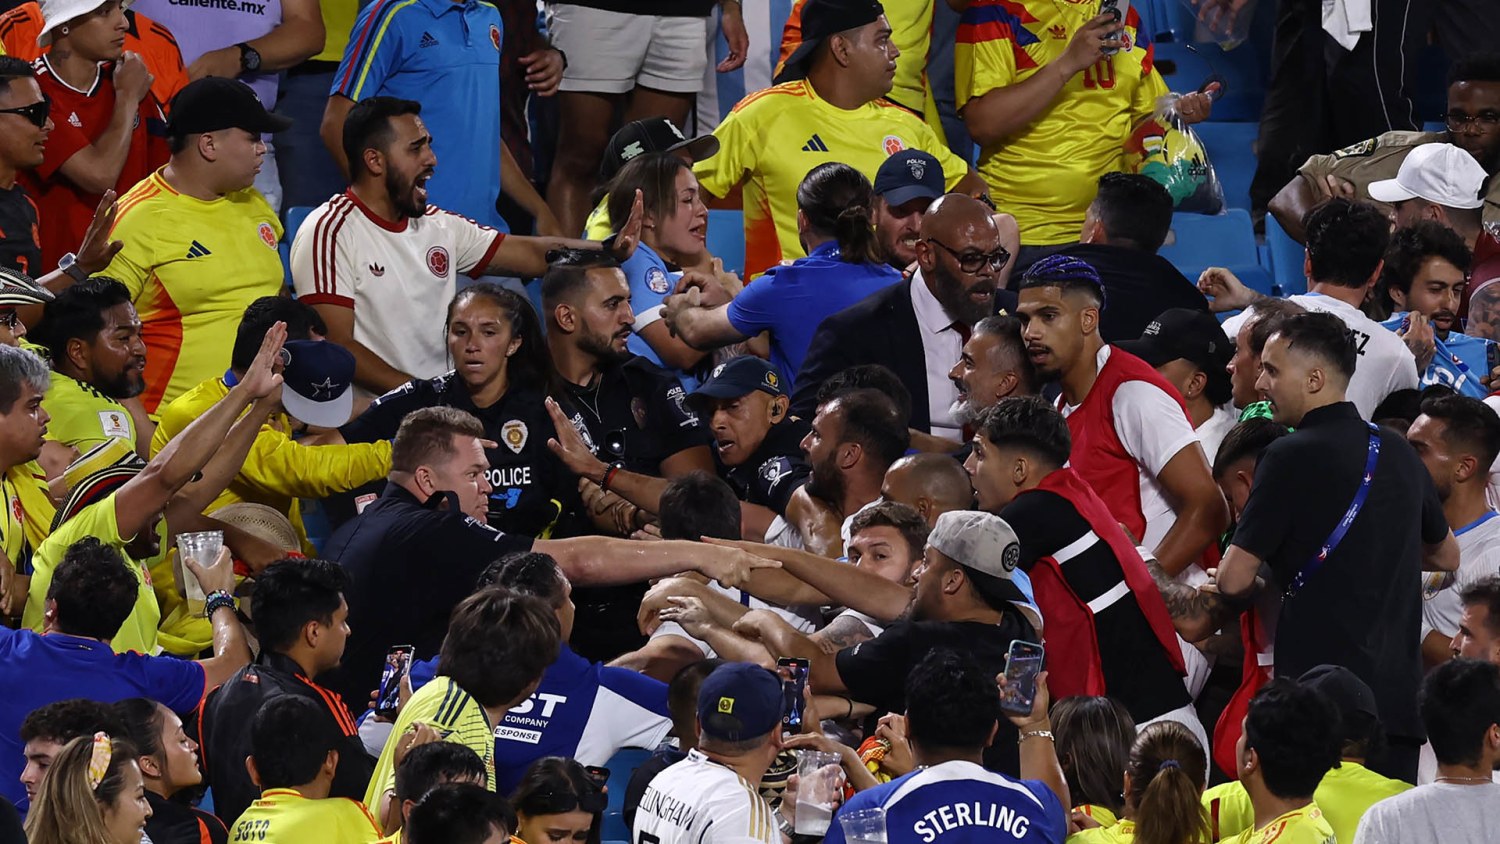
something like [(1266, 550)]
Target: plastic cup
[(866, 826), (202, 547), (817, 791)]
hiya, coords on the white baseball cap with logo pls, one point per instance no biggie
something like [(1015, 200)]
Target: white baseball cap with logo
[(55, 13), (1442, 174), (987, 544)]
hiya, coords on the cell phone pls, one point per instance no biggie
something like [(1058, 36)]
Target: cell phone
[(793, 684), (397, 664), (1120, 9), (1022, 665), (1491, 356), (598, 776)]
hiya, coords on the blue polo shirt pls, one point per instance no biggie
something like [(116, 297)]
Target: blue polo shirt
[(581, 710), (961, 803), (790, 301), (38, 670), (1459, 362), (446, 56)]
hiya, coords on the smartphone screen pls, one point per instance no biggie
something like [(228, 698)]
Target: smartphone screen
[(793, 684), (1120, 10), (397, 663), (1022, 665)]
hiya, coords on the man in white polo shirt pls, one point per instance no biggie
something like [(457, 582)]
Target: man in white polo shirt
[(380, 265), (1346, 244)]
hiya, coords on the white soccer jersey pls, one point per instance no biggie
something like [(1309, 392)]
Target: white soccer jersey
[(1478, 558), (1384, 366), (397, 277), (699, 801)]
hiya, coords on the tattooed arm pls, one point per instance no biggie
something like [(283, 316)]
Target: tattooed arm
[(843, 632), (1196, 612)]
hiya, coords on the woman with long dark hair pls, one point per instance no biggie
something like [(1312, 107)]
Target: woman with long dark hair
[(558, 802), (168, 760), (501, 372), (1094, 735), (1163, 789), (844, 264)]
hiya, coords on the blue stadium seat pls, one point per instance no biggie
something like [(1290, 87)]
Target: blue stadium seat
[(1223, 240), (1186, 67), (621, 766), (1287, 258), (293, 221), (1231, 148), (726, 238)]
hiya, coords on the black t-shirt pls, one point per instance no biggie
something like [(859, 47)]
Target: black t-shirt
[(1137, 672), (875, 671), (175, 823), (18, 222), (11, 830), (1138, 286), (636, 413), (1363, 608), (531, 486), (410, 563), (774, 471)]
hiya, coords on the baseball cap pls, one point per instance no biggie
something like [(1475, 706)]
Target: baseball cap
[(18, 290), (739, 377), (1343, 687), (654, 134), (820, 19), (907, 175), (983, 542), (96, 475), (55, 13), (316, 382), (213, 103), (739, 701), (1192, 335), (1442, 174)]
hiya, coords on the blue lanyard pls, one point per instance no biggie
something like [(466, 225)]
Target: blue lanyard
[(1342, 528)]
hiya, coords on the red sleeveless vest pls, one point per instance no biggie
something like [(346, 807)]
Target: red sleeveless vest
[(1073, 663), (1098, 455)]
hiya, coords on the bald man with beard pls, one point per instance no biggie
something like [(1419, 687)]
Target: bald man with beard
[(931, 484), (918, 328)]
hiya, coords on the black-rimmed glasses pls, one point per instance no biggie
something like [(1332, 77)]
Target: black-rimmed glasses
[(973, 262)]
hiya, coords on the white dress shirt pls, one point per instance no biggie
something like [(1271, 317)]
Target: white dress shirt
[(942, 346)]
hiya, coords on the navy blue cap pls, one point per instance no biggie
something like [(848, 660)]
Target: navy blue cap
[(317, 382), (1342, 686), (739, 701), (740, 377), (907, 175)]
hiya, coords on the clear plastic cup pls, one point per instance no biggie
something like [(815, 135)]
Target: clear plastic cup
[(817, 790), (202, 547), (866, 826)]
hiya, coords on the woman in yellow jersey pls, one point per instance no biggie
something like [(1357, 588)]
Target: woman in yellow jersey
[(557, 802), (93, 794), (1093, 736), (1163, 785)]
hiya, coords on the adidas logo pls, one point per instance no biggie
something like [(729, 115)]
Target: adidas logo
[(377, 270), (1058, 31), (815, 144), (74, 121), (198, 250), (427, 40)]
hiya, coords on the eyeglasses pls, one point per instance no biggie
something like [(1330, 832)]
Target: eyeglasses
[(10, 319), (36, 113), (973, 262), (1458, 121)]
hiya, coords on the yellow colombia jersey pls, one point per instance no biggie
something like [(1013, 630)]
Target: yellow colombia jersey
[(772, 139), (1299, 826), (282, 816), (138, 632), (1119, 832), (1343, 796), (28, 514), (338, 22), (277, 472), (192, 267), (456, 717), (1048, 174), (83, 417)]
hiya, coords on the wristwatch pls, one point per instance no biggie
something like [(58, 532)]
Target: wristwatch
[(70, 268), (249, 58)]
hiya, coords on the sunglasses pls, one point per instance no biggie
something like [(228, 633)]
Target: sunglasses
[(35, 114), (561, 802)]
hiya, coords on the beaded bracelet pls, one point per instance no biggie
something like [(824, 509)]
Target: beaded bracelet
[(218, 600)]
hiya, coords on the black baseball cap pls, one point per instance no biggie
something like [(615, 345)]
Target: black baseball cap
[(1192, 335), (739, 377), (654, 134), (1343, 687), (820, 19), (907, 175), (213, 103)]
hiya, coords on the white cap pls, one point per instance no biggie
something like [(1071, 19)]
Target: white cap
[(1442, 174), (55, 13), (980, 541)]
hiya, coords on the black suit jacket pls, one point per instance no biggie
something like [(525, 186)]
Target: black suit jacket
[(1138, 286), (880, 328)]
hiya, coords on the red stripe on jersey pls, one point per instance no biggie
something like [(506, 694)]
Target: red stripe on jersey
[(162, 335), (330, 278)]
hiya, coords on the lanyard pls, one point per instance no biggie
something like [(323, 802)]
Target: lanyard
[(1311, 566)]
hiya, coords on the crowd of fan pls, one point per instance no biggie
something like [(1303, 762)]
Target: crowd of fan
[(480, 535)]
